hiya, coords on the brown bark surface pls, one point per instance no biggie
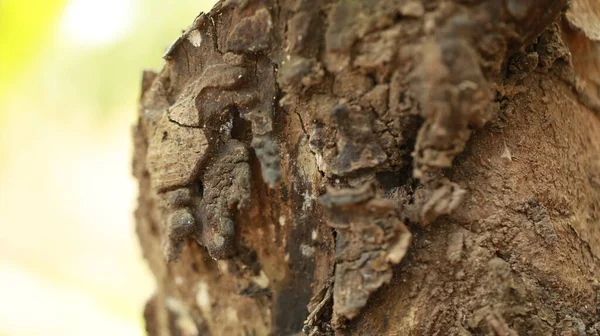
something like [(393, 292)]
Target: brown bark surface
[(391, 167)]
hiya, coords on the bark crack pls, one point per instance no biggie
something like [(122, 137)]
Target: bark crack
[(302, 125), (187, 57), (215, 34), (182, 125)]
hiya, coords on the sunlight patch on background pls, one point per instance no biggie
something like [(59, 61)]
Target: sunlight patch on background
[(68, 227), (96, 23), (27, 301)]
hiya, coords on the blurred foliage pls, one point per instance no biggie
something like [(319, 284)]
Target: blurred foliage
[(24, 28)]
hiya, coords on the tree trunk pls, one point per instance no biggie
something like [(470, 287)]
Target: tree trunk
[(390, 167)]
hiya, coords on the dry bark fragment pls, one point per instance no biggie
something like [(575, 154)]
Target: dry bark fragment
[(370, 239)]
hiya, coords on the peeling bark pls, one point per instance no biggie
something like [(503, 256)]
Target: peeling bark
[(374, 168)]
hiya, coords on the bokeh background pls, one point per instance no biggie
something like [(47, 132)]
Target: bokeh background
[(70, 73)]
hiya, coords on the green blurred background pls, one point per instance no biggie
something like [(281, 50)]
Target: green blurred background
[(70, 73)]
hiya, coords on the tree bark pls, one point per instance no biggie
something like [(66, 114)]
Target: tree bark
[(390, 167)]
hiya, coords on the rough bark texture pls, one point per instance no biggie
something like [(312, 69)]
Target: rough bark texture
[(391, 167)]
